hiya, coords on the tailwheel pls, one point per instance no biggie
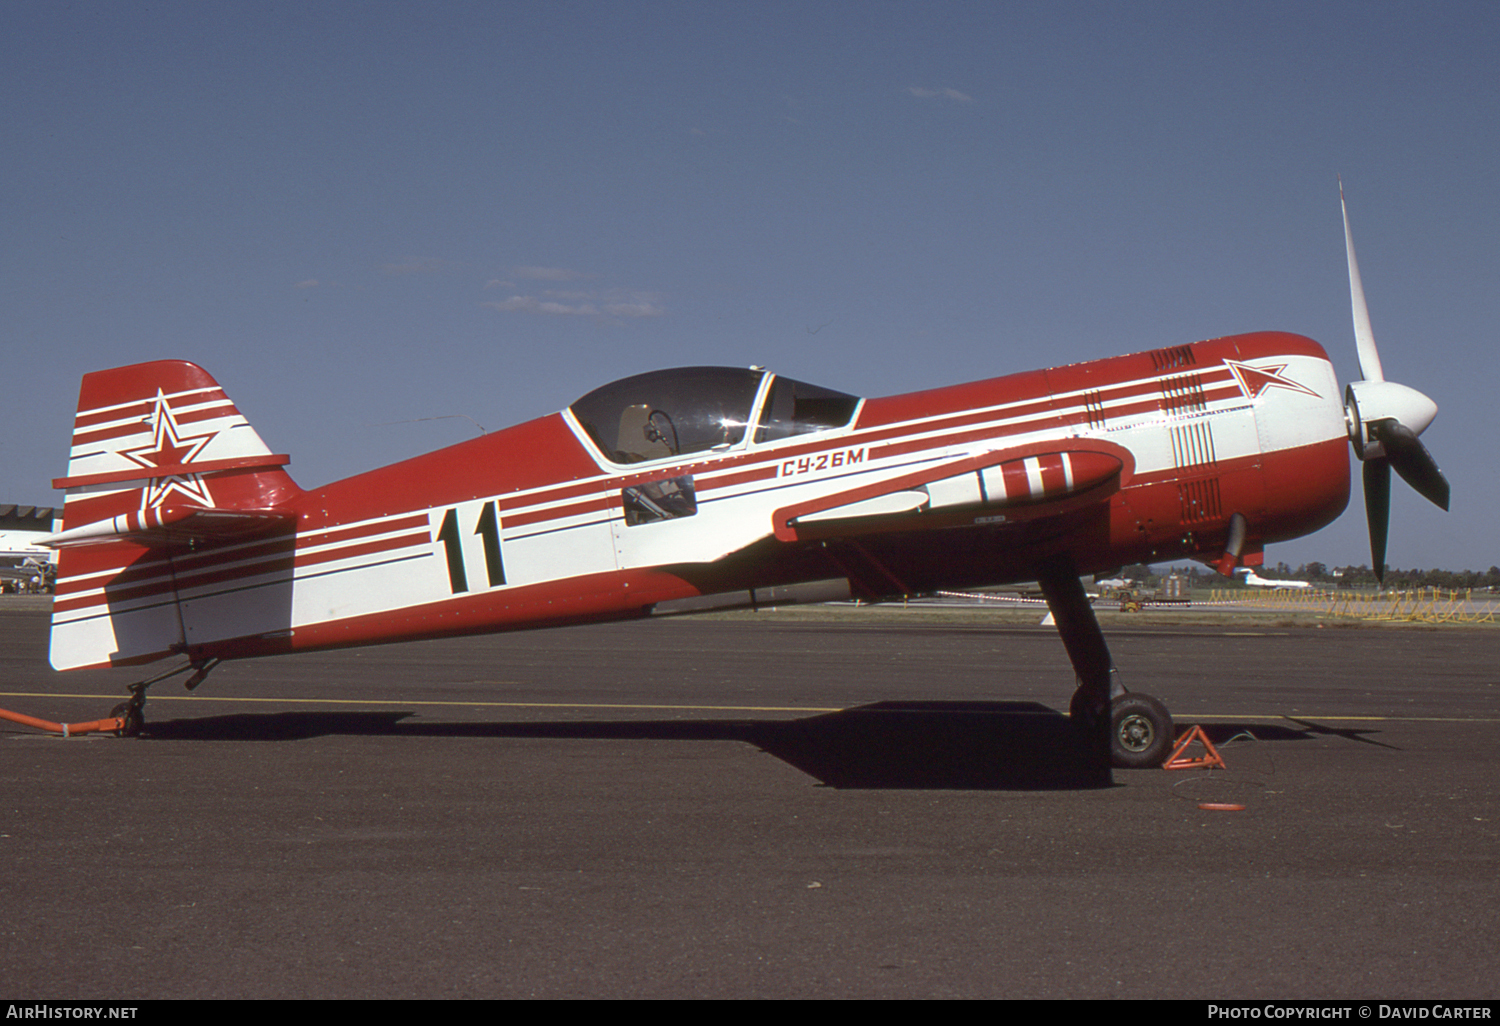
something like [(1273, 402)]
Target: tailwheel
[(133, 717), (132, 714), (1141, 732)]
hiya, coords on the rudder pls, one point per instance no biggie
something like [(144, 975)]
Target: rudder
[(161, 461)]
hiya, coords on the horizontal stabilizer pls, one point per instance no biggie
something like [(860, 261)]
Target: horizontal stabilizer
[(171, 527)]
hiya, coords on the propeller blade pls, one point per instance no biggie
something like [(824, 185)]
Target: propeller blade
[(1412, 460), (1364, 337), (1378, 511), (1384, 421)]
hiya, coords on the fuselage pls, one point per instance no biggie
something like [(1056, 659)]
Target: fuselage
[(1140, 458)]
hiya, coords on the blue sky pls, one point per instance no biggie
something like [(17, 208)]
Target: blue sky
[(359, 216)]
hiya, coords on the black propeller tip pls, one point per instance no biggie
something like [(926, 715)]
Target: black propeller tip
[(1377, 474), (1412, 461)]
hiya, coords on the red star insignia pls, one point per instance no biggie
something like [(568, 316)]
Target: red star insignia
[(169, 448), (1255, 380)]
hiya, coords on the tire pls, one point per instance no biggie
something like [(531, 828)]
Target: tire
[(134, 720), (1140, 732)]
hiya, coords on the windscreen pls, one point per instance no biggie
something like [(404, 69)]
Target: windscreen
[(669, 412), (796, 408)]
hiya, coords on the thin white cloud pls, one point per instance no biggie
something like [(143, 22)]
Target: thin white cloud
[(626, 303), (614, 303), (634, 307), (533, 304), (951, 94), (309, 283)]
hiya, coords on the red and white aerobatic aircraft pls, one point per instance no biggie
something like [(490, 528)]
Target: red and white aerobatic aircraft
[(709, 487)]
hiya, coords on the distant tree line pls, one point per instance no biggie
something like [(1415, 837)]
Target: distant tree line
[(1321, 574)]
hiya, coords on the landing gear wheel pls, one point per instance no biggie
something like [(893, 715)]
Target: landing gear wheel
[(1140, 732), (132, 715)]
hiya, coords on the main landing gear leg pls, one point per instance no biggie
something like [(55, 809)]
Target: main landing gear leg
[(1120, 728), (132, 714)]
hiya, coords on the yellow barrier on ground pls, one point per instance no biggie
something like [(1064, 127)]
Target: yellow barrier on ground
[(1419, 605)]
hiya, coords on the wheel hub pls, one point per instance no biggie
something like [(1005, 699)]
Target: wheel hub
[(1136, 733)]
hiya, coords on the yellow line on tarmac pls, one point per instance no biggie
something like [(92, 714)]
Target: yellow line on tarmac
[(1180, 718), (487, 705), (1189, 717)]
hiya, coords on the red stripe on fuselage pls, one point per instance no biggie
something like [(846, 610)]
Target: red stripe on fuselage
[(162, 575)]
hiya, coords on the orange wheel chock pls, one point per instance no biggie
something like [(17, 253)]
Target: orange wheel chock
[(1179, 761)]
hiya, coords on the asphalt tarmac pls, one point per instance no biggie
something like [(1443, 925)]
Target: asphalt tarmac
[(871, 806)]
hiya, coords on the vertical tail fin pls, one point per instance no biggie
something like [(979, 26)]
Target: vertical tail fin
[(161, 461), (163, 435)]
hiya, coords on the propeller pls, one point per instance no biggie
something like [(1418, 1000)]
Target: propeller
[(1384, 421)]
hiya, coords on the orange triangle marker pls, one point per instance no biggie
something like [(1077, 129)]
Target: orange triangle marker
[(1179, 761)]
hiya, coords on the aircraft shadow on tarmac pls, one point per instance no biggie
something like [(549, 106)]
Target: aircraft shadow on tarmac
[(886, 745)]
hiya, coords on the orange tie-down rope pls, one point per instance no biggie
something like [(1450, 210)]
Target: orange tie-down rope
[(65, 729)]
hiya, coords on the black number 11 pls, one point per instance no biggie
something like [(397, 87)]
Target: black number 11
[(489, 529)]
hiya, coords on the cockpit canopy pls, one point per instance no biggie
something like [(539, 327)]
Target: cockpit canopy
[(697, 409)]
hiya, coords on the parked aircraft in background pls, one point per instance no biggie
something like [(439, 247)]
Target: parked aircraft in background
[(25, 564), (21, 527), (707, 487), (20, 543), (1252, 579)]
